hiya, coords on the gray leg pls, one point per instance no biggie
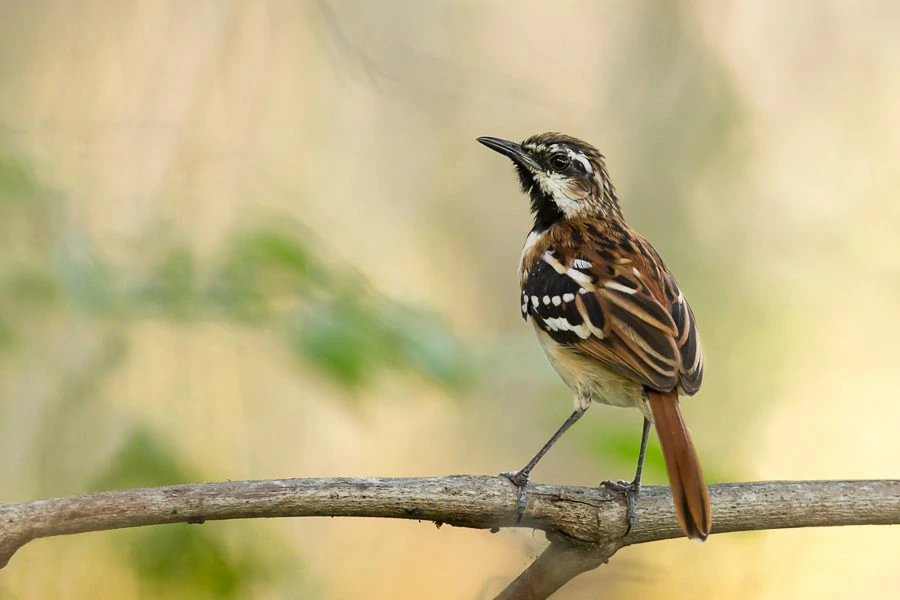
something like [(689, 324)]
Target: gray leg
[(520, 477), (633, 489)]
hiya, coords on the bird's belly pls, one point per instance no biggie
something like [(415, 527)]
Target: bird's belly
[(584, 374)]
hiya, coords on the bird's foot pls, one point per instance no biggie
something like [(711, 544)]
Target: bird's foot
[(519, 479), (631, 489)]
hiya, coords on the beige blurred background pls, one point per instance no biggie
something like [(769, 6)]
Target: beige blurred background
[(755, 143)]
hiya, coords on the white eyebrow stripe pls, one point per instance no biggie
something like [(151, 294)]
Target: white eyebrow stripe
[(583, 160)]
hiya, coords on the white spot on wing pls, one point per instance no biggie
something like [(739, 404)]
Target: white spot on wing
[(534, 301), (546, 300), (568, 297), (580, 263), (579, 277), (556, 300), (553, 262), (562, 324), (614, 285)]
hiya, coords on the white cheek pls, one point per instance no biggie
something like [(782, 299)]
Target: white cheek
[(554, 185)]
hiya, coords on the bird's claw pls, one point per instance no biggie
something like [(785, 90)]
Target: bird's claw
[(632, 490), (520, 480)]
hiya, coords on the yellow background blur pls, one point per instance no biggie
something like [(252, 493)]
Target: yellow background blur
[(755, 143)]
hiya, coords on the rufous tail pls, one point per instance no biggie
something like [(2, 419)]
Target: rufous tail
[(685, 475)]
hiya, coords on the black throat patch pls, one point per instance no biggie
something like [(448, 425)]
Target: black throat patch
[(545, 210)]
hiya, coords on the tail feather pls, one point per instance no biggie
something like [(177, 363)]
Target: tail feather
[(685, 475)]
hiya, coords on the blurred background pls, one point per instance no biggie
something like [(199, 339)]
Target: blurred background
[(257, 239)]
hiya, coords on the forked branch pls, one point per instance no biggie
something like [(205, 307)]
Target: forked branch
[(586, 526)]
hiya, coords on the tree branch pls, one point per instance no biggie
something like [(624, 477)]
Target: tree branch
[(586, 526)]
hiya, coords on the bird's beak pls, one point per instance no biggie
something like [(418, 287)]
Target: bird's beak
[(511, 149)]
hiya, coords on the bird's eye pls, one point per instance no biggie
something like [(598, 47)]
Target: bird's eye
[(560, 161)]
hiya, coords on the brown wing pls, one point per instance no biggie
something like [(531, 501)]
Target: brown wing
[(610, 297)]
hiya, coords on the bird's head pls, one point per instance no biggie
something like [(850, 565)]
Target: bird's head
[(565, 177)]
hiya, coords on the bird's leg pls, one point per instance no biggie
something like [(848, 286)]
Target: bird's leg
[(632, 489), (520, 478)]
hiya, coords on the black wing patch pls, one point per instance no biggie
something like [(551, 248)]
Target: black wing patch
[(549, 298)]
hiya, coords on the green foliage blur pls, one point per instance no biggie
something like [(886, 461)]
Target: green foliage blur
[(268, 278)]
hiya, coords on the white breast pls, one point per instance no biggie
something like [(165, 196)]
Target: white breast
[(583, 373)]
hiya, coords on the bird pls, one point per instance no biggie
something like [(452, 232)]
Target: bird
[(608, 314)]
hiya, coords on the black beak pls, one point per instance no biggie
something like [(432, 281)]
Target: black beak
[(511, 149)]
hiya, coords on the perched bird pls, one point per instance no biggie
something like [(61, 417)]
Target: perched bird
[(607, 312)]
